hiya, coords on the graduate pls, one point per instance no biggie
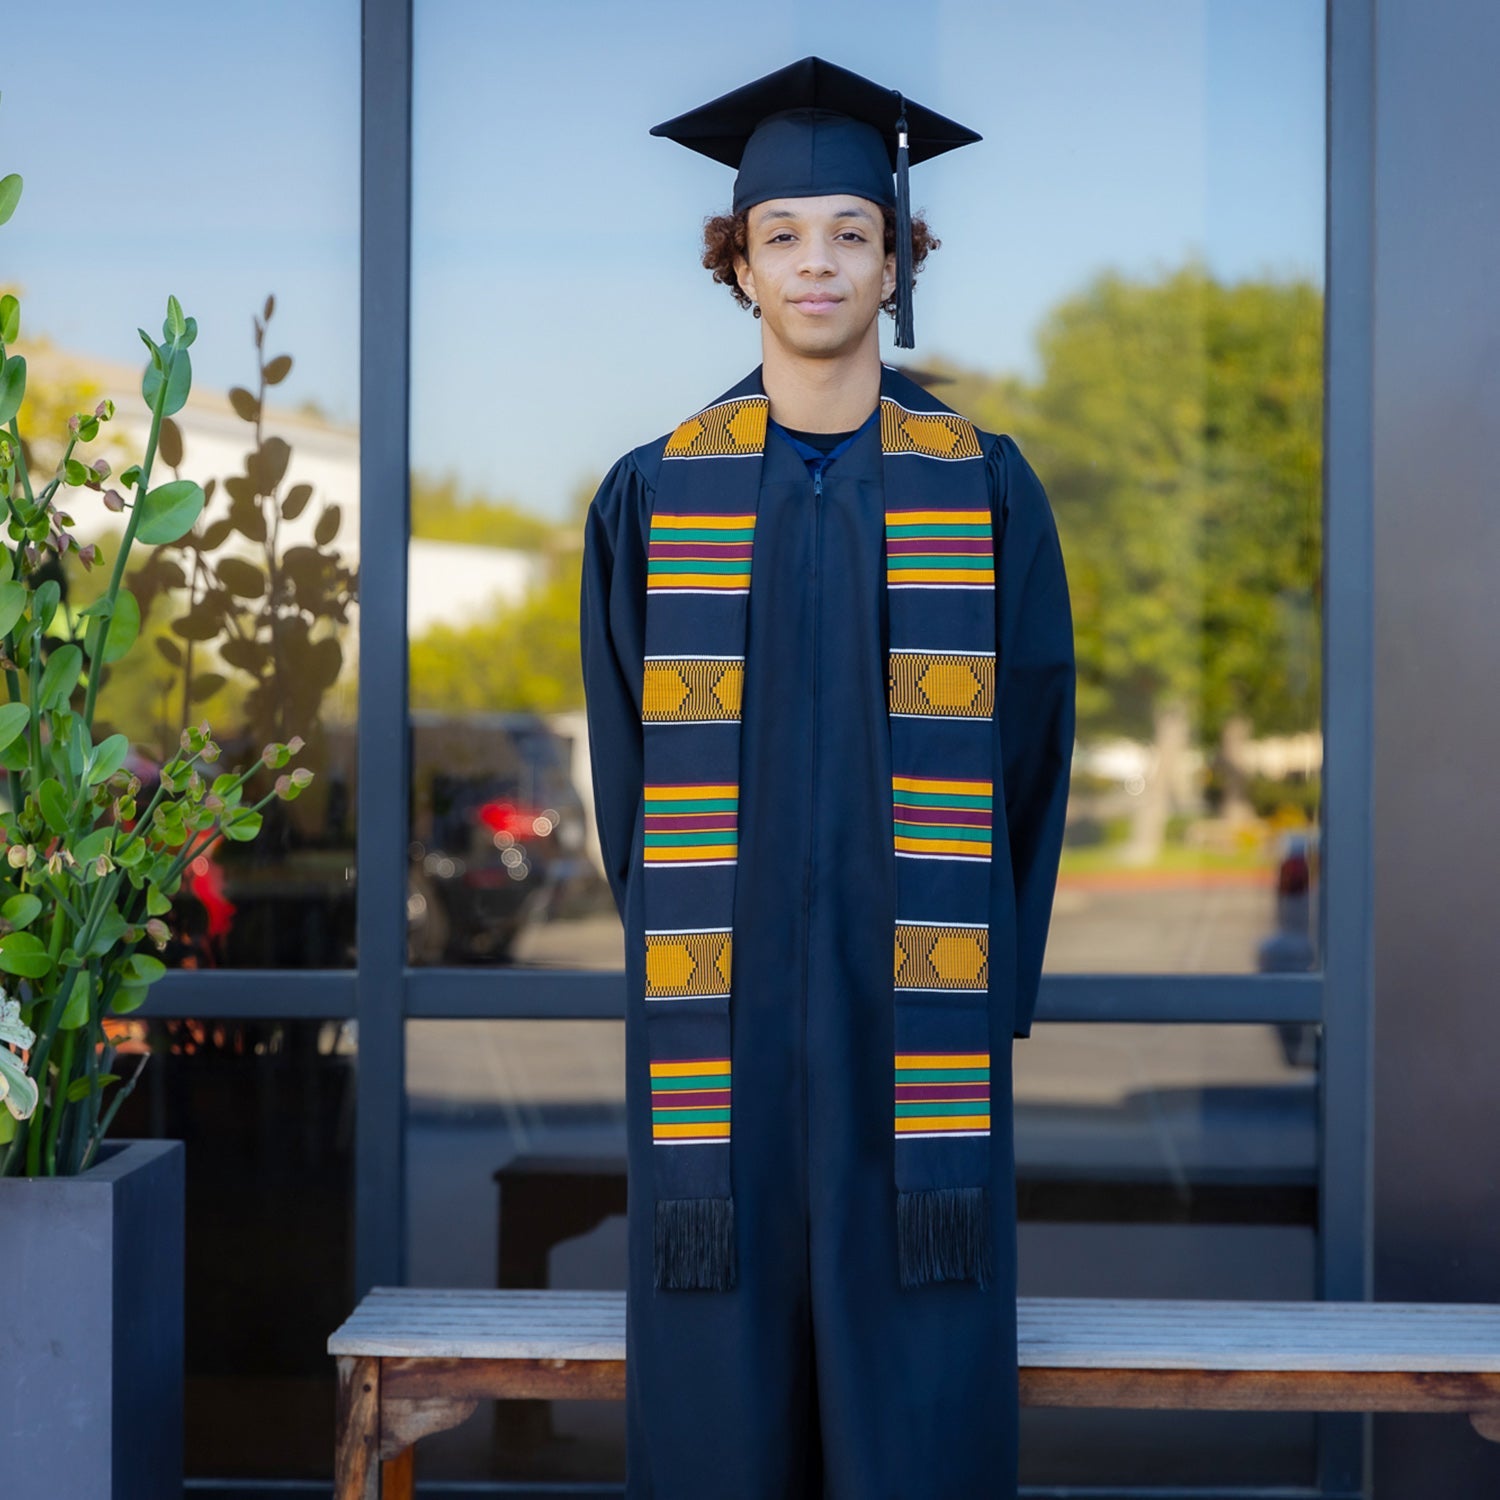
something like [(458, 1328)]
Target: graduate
[(828, 658)]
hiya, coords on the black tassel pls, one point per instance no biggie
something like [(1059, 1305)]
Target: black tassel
[(694, 1244), (943, 1234), (904, 338)]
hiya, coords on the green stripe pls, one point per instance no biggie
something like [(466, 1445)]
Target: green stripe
[(698, 565), (945, 1107), (696, 837), (938, 560), (701, 534), (939, 528), (691, 804), (688, 1116), (942, 1075), (692, 1081), (943, 831), (942, 799)]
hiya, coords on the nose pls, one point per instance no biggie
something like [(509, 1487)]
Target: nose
[(817, 258)]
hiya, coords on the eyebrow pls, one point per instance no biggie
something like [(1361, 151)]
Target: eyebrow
[(843, 213)]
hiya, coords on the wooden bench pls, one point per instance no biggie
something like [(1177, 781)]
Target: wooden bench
[(413, 1362)]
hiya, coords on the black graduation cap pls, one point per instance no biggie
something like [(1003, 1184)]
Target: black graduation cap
[(814, 128)]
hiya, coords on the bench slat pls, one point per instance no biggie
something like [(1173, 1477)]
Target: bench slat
[(1054, 1332)]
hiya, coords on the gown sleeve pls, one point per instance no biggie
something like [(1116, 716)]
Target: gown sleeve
[(611, 637), (1035, 703)]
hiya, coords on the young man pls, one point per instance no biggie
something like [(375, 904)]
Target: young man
[(828, 657)]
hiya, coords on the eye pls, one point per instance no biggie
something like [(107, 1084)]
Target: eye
[(785, 234)]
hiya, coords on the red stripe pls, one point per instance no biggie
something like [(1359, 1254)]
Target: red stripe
[(913, 1093), (661, 1098), (956, 544)]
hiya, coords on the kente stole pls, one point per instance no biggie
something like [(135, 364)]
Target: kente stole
[(940, 585)]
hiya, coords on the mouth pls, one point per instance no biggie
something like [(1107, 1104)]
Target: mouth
[(817, 304)]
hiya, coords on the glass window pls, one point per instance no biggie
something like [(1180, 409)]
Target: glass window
[(267, 1110), (242, 200), (515, 1158), (1129, 283)]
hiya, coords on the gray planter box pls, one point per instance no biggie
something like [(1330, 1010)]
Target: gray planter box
[(91, 1328)]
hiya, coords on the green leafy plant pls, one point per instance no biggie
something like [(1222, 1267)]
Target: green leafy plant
[(88, 875)]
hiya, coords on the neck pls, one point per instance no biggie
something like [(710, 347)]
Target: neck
[(833, 393)]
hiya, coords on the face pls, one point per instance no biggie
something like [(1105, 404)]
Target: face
[(818, 269)]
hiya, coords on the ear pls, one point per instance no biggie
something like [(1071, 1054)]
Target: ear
[(745, 277), (888, 280)]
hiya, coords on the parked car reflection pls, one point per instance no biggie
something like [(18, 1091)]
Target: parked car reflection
[(498, 834)]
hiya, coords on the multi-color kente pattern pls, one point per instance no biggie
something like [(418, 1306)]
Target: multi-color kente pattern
[(930, 434), (944, 817), (690, 1101), (927, 548), (942, 1094), (697, 554), (942, 956), (681, 964), (942, 684), (692, 823)]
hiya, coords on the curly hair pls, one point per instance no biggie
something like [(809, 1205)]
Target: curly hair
[(727, 235)]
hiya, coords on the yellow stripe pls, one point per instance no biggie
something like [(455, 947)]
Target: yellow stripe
[(698, 580), (667, 1132), (938, 575), (916, 517), (942, 1122), (945, 846), (693, 790), (969, 785), (701, 851), (939, 1060), (693, 1069), (719, 523)]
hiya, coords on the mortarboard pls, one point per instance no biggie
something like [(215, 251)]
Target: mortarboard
[(813, 128)]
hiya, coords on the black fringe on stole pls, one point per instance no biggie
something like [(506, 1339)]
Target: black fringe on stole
[(694, 1244), (944, 1234)]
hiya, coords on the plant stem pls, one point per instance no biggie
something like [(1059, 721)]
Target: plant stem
[(96, 661), (59, 1099)]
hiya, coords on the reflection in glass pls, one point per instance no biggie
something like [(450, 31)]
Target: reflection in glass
[(248, 622), (1105, 293), (1167, 1161), (267, 1110), (515, 1155)]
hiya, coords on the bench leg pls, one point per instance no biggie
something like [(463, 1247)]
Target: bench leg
[(356, 1465), (396, 1476)]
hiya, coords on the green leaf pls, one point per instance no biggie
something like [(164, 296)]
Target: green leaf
[(22, 910), (80, 1088), (128, 856), (48, 593), (59, 676), (124, 627), (92, 845), (10, 195), (10, 318), (14, 717), (169, 511), (7, 1126), (241, 825), (15, 757), (128, 997), (54, 804), (12, 386), (157, 904), (109, 756), (144, 969), (22, 953), (76, 1011), (111, 929), (18, 1089), (177, 391), (12, 603)]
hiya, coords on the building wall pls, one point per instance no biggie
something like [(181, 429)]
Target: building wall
[(1437, 715)]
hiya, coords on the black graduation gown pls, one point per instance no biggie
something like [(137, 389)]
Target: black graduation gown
[(818, 1374)]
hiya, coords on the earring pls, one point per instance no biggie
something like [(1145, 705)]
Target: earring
[(755, 309)]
